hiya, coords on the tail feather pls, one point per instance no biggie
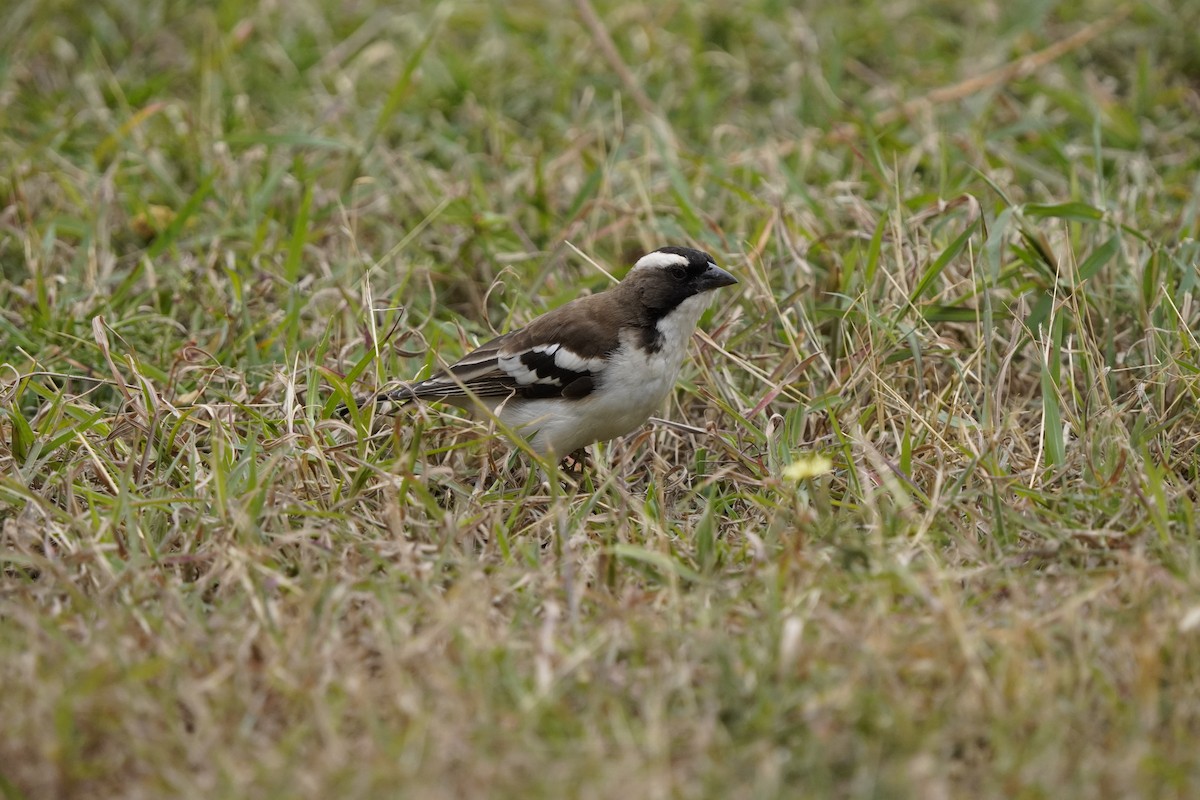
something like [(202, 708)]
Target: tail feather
[(388, 402)]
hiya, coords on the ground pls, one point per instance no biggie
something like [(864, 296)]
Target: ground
[(919, 520)]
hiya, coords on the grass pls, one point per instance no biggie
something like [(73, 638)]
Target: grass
[(967, 240)]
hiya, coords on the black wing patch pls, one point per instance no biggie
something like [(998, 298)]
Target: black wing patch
[(579, 388), (551, 371), (546, 368)]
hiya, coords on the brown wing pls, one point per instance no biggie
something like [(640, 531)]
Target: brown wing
[(559, 354)]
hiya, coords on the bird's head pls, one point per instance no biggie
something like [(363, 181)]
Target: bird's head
[(670, 275)]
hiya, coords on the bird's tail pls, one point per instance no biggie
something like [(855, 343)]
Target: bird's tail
[(388, 402)]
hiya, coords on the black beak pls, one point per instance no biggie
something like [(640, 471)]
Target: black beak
[(714, 278)]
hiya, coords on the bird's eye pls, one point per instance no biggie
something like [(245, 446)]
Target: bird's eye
[(678, 273)]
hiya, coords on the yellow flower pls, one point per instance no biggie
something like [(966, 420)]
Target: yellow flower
[(809, 467)]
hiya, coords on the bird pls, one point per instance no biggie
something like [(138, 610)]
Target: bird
[(588, 371)]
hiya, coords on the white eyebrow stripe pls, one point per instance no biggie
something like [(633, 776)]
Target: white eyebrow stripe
[(657, 260)]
